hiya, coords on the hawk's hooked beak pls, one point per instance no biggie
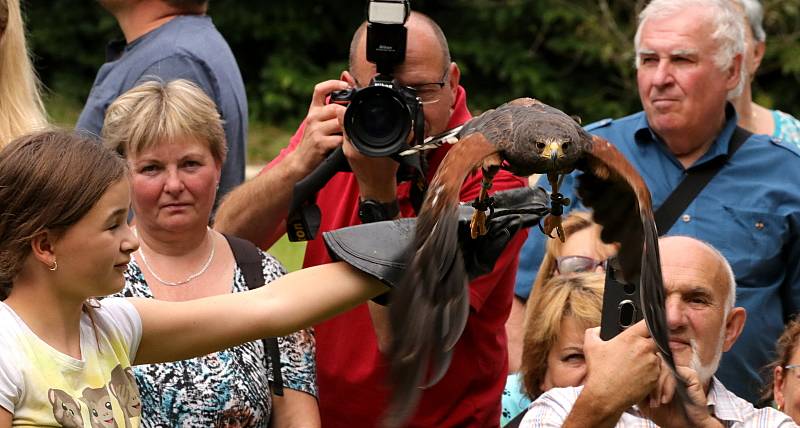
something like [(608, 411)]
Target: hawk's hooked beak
[(552, 151)]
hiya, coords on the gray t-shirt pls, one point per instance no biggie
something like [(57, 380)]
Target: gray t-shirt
[(187, 47)]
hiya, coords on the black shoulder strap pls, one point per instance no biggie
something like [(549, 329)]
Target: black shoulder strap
[(694, 182), (248, 257), (515, 423)]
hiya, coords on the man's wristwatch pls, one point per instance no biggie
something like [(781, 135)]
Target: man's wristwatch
[(370, 210)]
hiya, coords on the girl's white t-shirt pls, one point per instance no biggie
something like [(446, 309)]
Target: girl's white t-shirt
[(41, 386)]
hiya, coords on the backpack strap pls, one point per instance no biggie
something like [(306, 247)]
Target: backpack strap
[(248, 257)]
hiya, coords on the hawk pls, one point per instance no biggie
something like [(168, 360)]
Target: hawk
[(430, 307)]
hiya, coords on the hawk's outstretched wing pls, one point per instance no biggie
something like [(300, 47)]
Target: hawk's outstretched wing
[(427, 320)]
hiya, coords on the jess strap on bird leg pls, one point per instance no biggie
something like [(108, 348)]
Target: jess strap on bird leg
[(365, 246)]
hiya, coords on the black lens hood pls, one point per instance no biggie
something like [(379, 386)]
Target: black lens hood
[(378, 121)]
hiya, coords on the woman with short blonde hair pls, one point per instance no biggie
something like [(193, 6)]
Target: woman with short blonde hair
[(156, 112), (171, 135), (21, 108), (577, 297)]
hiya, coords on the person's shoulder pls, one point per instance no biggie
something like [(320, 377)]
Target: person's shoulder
[(185, 36), (775, 145), (787, 128), (9, 321), (195, 35), (787, 118), (185, 25), (732, 408), (114, 307), (602, 123), (271, 266), (609, 124)]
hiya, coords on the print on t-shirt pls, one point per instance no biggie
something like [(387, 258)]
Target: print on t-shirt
[(65, 409), (98, 402)]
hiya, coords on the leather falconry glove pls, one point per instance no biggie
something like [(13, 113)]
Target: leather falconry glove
[(382, 249)]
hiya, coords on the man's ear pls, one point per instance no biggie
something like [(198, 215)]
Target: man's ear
[(453, 79), (42, 247), (734, 72), (758, 54), (733, 327)]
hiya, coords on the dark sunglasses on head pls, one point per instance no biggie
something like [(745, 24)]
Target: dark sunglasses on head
[(576, 264)]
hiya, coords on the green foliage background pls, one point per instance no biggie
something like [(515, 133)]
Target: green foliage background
[(576, 55)]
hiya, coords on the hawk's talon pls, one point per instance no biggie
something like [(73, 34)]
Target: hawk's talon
[(553, 222), (560, 232), (477, 226)]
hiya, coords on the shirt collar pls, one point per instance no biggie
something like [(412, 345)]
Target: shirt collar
[(643, 134), (722, 403)]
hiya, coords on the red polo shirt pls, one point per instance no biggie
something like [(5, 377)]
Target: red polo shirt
[(352, 373)]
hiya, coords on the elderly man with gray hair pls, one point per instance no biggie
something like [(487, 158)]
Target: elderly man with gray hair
[(628, 385), (689, 58)]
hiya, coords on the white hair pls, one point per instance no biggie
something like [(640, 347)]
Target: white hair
[(725, 19), (754, 12), (706, 371)]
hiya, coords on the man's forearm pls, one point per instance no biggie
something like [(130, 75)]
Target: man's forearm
[(257, 209)]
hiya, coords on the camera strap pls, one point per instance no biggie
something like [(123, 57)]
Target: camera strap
[(412, 169), (419, 186)]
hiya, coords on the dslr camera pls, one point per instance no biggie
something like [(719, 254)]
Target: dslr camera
[(380, 117)]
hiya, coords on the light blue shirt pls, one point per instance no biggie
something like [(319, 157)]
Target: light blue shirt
[(787, 127), (750, 211), (187, 47)]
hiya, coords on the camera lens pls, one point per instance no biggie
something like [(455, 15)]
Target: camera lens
[(377, 121)]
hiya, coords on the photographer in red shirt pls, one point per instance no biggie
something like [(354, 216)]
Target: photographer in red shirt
[(352, 370)]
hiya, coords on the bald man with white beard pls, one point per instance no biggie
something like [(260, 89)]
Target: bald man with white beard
[(628, 384)]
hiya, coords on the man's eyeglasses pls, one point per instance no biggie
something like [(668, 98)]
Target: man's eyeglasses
[(428, 93), (431, 92), (576, 264)]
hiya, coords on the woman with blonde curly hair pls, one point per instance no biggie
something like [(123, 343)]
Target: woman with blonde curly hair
[(583, 251), (21, 108), (558, 313)]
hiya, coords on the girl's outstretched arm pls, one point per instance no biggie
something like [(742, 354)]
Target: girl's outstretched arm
[(180, 330), (5, 418)]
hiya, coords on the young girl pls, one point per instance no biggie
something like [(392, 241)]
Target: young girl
[(64, 239)]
